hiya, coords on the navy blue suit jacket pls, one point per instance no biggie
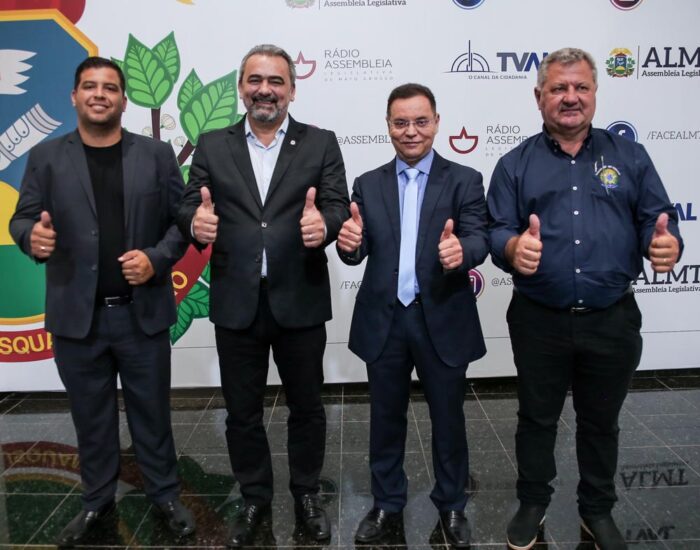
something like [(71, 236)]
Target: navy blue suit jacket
[(452, 191)]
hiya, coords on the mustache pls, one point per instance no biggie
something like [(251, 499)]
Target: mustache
[(265, 97)]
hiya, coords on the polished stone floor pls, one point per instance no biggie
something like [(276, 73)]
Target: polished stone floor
[(658, 479)]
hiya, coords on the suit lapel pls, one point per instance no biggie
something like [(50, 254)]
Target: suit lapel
[(433, 189), (291, 144), (241, 156), (130, 163), (76, 154), (392, 205)]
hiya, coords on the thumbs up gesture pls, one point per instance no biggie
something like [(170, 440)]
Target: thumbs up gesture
[(449, 248), (205, 223), (313, 227), (664, 249), (350, 236), (43, 237), (524, 251)]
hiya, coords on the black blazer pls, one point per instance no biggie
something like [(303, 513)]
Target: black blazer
[(448, 303), (57, 180), (298, 282)]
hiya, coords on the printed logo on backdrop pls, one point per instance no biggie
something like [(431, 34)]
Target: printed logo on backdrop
[(363, 139), (683, 278), (468, 4), (677, 134), (626, 5), (503, 65), (463, 143), (620, 64), (305, 67), (624, 129), (501, 138), (347, 3), (355, 65), (685, 212), (476, 279), (39, 50), (655, 62)]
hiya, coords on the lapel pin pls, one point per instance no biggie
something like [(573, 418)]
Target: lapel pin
[(293, 142)]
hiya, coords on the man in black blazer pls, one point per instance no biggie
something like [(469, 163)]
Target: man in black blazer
[(270, 194), (421, 222), (98, 206)]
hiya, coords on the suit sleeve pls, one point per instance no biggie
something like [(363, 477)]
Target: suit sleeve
[(173, 245), (472, 225), (360, 254), (29, 207), (653, 201), (504, 222), (332, 190), (192, 197)]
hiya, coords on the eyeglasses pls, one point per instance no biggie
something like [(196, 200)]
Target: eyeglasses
[(403, 124)]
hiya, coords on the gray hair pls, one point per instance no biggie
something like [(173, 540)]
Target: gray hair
[(269, 50), (565, 56)]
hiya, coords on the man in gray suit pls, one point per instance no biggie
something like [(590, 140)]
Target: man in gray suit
[(270, 194), (97, 206)]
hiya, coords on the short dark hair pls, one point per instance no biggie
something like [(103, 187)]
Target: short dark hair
[(96, 62), (269, 50), (409, 90)]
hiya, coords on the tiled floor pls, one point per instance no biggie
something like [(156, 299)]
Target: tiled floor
[(658, 479)]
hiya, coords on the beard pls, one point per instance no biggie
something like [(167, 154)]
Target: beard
[(264, 114)]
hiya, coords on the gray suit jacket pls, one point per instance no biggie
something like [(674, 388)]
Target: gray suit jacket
[(57, 180)]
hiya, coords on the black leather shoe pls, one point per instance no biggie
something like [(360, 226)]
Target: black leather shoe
[(246, 524), (604, 533), (375, 525), (456, 526), (312, 517), (525, 526), (178, 518), (81, 525)]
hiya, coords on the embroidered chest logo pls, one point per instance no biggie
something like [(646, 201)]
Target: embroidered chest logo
[(608, 175)]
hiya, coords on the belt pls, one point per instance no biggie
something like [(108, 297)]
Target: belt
[(114, 301)]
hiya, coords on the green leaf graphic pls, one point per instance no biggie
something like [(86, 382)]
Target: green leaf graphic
[(148, 82), (185, 171), (194, 306), (190, 86), (119, 62), (211, 108), (167, 52)]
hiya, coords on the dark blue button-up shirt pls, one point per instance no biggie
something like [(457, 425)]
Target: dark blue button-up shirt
[(597, 212)]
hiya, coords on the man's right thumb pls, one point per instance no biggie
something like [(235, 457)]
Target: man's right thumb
[(46, 219), (534, 228), (206, 198)]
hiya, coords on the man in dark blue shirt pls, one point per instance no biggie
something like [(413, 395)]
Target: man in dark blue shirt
[(572, 211)]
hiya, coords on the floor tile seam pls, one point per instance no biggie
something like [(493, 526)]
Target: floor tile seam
[(422, 447), (498, 437), (274, 406), (46, 520), (340, 463)]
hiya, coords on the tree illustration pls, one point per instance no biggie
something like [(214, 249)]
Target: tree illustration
[(151, 76)]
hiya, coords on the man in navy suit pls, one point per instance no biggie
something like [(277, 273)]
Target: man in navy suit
[(421, 222), (98, 206)]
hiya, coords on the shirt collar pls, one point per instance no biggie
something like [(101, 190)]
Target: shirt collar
[(423, 164), (281, 131), (553, 144)]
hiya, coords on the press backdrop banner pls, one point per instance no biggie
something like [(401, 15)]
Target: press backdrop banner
[(480, 57)]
